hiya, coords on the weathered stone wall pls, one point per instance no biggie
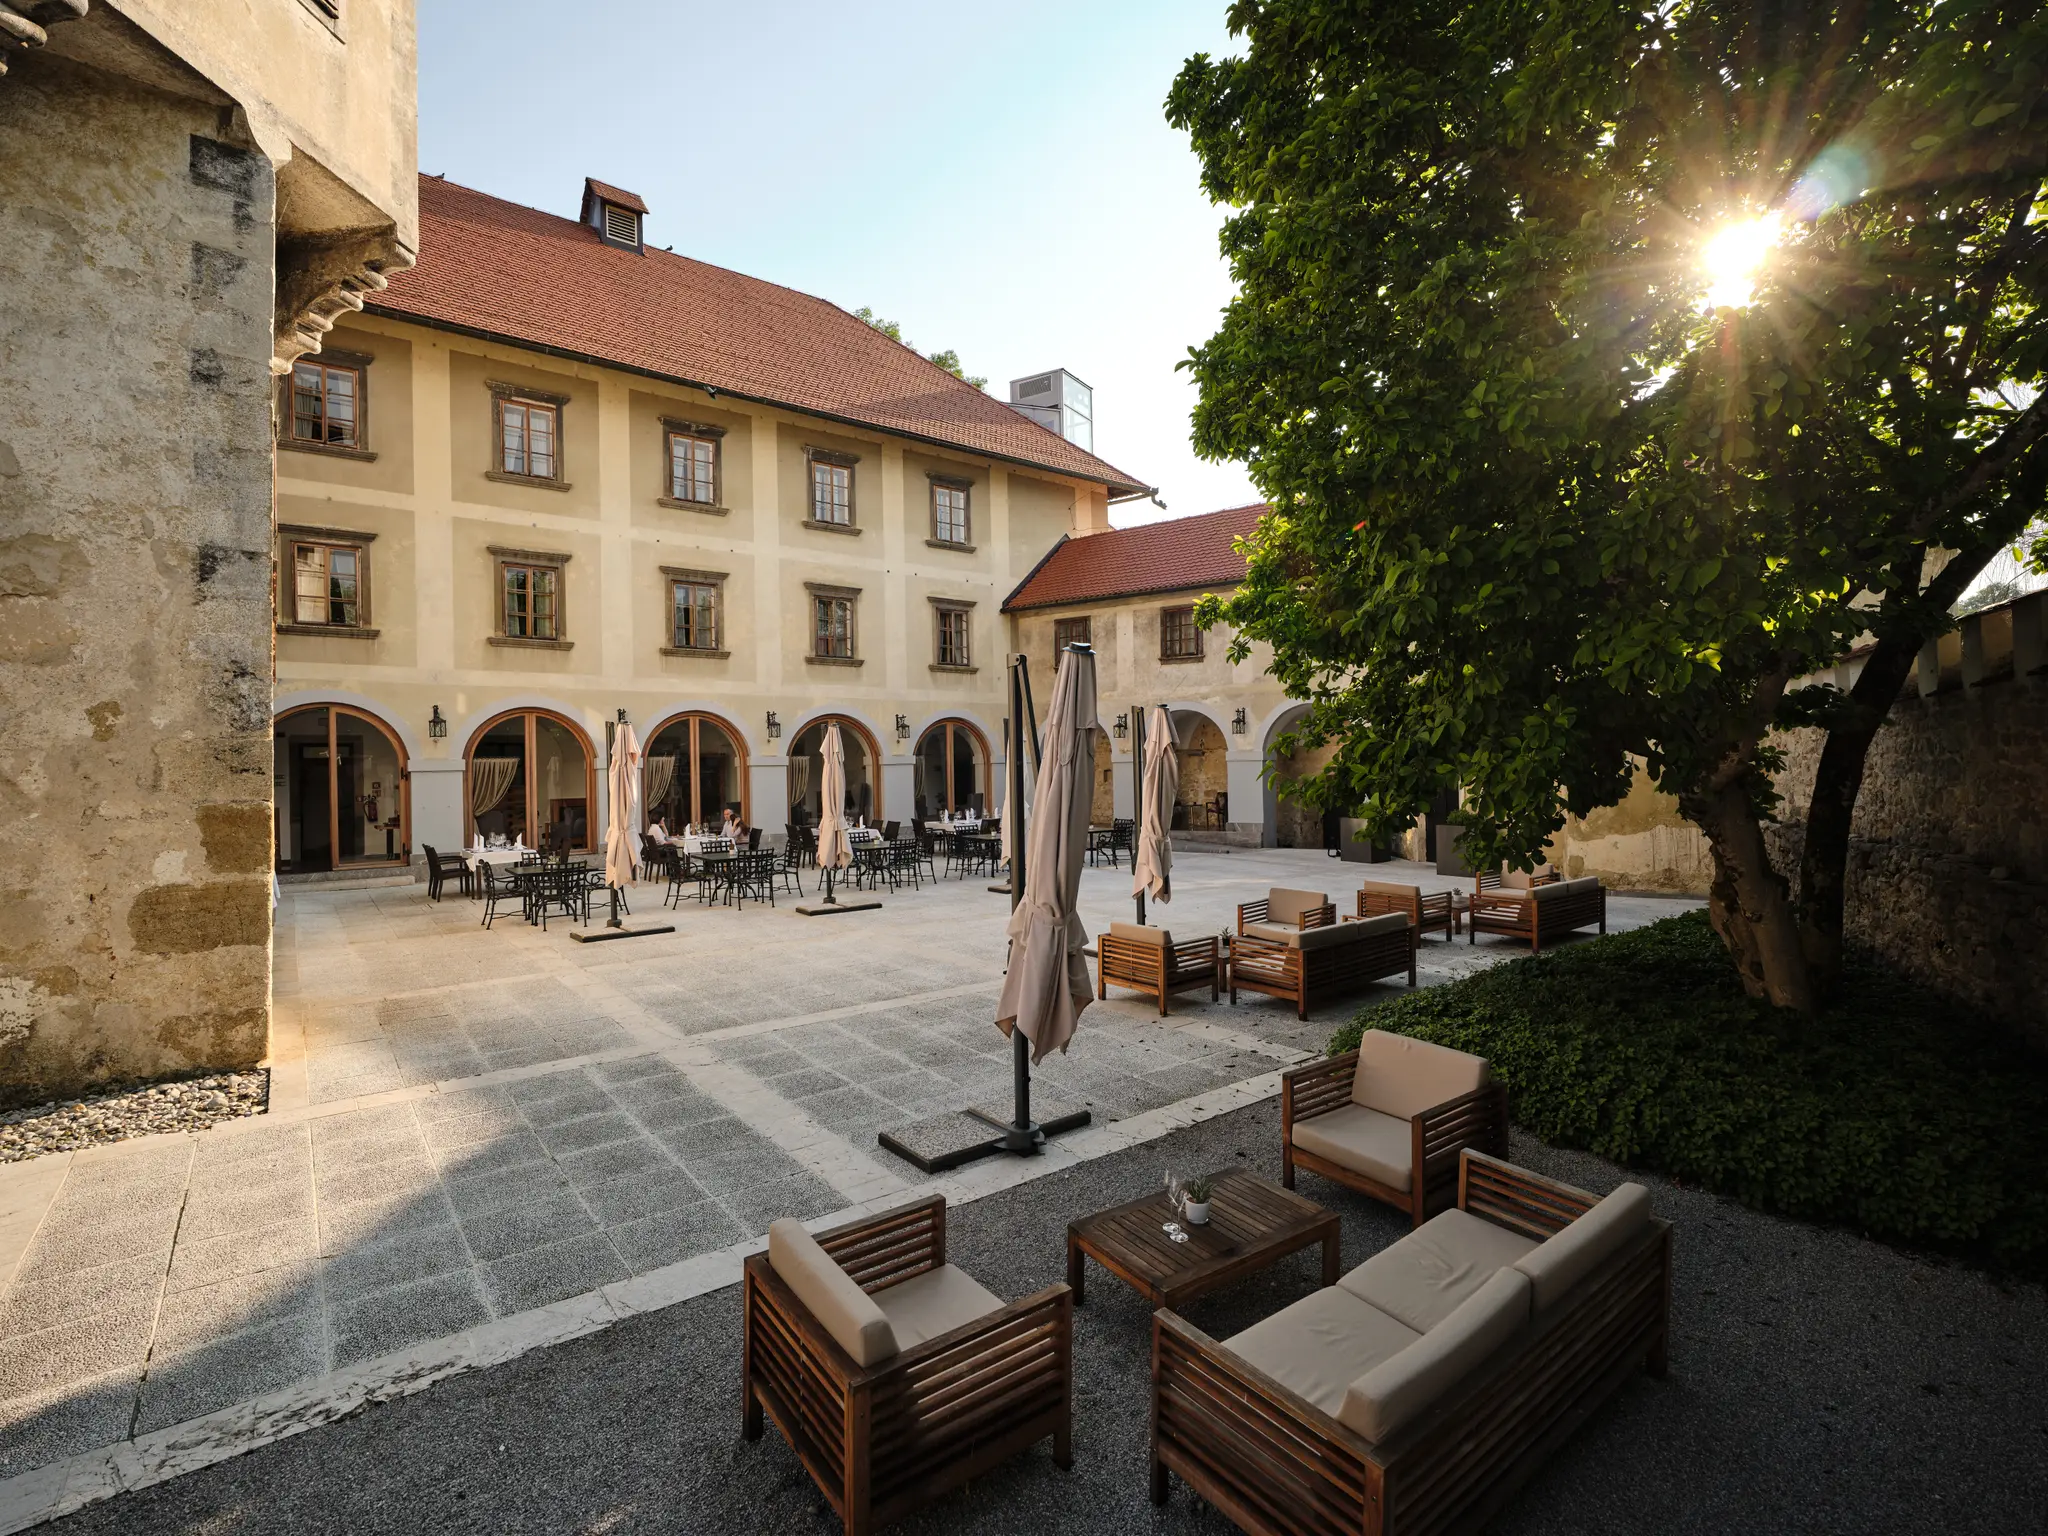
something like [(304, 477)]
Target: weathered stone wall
[(1948, 854), (1640, 843), (136, 280)]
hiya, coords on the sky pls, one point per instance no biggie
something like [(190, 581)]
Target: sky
[(999, 179)]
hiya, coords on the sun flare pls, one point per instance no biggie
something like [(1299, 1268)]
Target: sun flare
[(1733, 255)]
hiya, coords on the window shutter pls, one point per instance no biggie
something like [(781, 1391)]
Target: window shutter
[(621, 224)]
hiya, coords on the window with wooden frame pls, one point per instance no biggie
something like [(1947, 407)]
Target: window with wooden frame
[(1179, 640), (949, 510), (832, 488), (531, 586), (1066, 632), (326, 584), (529, 435), (693, 469), (954, 625), (833, 638), (327, 403), (696, 610)]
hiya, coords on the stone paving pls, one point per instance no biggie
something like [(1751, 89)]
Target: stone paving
[(469, 1127)]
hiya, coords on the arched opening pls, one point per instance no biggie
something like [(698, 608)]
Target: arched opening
[(1203, 803), (951, 770), (342, 791), (695, 770), (1289, 823), (529, 769), (807, 770)]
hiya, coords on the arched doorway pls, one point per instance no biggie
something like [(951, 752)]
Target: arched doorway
[(342, 792), (695, 769), (951, 770), (1203, 802), (807, 770), (529, 769)]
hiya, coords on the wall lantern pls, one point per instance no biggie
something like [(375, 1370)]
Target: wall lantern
[(774, 727), (1123, 725), (1238, 726), (437, 726)]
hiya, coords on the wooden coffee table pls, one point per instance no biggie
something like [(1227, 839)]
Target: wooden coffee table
[(1252, 1223)]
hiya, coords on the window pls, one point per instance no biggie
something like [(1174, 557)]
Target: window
[(832, 635), (326, 584), (1179, 640), (327, 404), (692, 467), (696, 603), (532, 601), (528, 432), (953, 632), (949, 511), (831, 493), (1066, 632)]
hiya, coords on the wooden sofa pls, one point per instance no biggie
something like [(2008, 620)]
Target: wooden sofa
[(1536, 912), (1434, 910), (1418, 1392), (893, 1375), (1314, 962), (1147, 960), (1390, 1120), (1282, 912)]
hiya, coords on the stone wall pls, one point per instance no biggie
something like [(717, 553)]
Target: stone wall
[(1948, 855), (1640, 843), (136, 331)]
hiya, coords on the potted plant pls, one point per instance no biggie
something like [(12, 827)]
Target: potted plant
[(1197, 1191)]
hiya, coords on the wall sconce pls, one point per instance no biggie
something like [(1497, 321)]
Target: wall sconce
[(1123, 725), (437, 727), (1238, 725), (902, 727), (774, 727)]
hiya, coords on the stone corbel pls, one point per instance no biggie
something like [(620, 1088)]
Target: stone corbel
[(26, 23), (322, 278)]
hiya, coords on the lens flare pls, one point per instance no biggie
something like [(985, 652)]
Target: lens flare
[(1839, 174), (1733, 255)]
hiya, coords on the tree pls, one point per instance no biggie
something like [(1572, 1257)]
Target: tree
[(1550, 500), (948, 359)]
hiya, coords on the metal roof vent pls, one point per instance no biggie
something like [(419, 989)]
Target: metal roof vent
[(614, 213)]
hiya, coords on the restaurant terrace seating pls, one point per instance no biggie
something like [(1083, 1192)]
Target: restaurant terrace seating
[(1307, 964), (1423, 1387), (1426, 911), (1282, 911), (894, 1376), (1538, 909), (440, 867), (1390, 1119), (1147, 960)]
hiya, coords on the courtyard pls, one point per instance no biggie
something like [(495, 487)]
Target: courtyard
[(484, 1140)]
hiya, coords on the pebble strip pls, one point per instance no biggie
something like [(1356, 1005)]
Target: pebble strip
[(69, 1124)]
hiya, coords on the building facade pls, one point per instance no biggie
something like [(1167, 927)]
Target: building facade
[(190, 192), (553, 476)]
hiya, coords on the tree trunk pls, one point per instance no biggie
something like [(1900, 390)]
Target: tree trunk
[(1824, 861), (1748, 902)]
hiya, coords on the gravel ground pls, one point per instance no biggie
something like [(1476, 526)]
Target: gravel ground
[(192, 1105), (1819, 1383)]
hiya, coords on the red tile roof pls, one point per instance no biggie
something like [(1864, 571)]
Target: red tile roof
[(492, 268), (1178, 555), (604, 191)]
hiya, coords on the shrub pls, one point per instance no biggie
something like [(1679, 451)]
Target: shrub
[(1896, 1112)]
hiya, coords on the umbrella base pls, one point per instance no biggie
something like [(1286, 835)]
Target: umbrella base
[(600, 935), (834, 908), (947, 1141)]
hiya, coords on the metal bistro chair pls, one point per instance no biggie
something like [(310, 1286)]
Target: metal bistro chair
[(752, 873), (657, 860), (715, 868), (793, 854), (500, 887), (440, 867), (558, 887)]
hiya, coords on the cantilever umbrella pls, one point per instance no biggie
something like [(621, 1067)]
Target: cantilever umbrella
[(623, 836), (1159, 784), (1047, 985)]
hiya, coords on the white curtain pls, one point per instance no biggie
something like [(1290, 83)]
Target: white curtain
[(799, 782), (490, 778)]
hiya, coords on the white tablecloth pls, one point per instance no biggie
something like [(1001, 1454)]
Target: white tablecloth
[(499, 856)]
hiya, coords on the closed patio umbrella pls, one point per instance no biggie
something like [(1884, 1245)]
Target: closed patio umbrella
[(835, 849), (622, 837), (1152, 865), (1047, 984)]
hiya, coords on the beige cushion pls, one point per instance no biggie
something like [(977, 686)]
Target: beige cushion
[(1352, 932), (1517, 880), (935, 1302), (1403, 1077), (1406, 894), (1567, 1257), (1393, 1392), (1133, 933), (829, 1293), (1284, 906), (1424, 1277), (1320, 1345), (1279, 933), (1582, 884), (1361, 1139)]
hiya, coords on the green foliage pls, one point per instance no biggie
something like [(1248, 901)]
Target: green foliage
[(1893, 1112), (948, 359), (1540, 510)]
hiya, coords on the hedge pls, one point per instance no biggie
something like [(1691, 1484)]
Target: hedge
[(1896, 1112)]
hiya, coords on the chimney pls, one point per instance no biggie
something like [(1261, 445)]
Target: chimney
[(613, 213), (1058, 402)]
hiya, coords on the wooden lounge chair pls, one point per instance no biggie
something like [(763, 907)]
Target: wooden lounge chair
[(1422, 1389), (1426, 911), (1147, 960), (1312, 963), (1538, 911), (1390, 1119), (1283, 911), (893, 1375)]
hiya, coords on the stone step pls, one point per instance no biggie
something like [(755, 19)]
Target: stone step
[(343, 880)]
